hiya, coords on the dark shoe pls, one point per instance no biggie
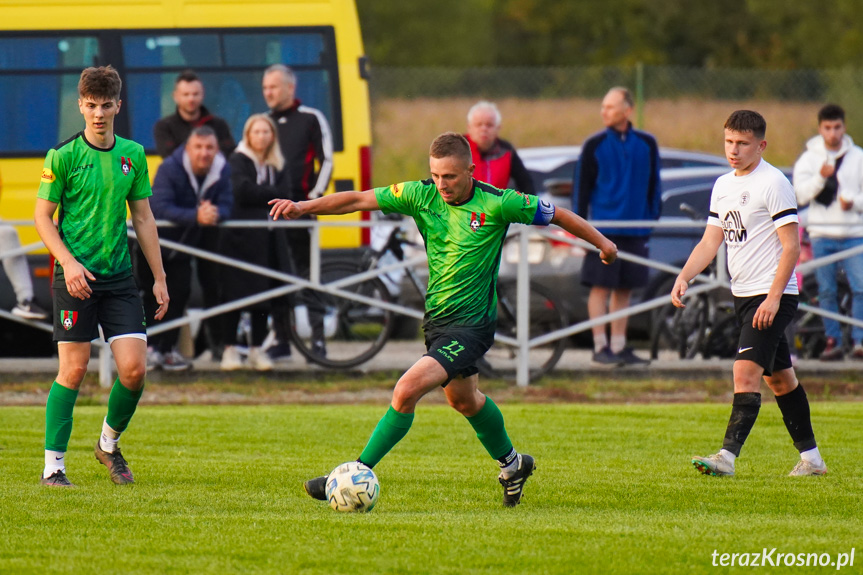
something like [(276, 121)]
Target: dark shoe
[(173, 361), (319, 348), (116, 464), (29, 310), (513, 487), (605, 357), (628, 357), (833, 351), (280, 352), (56, 479), (317, 488)]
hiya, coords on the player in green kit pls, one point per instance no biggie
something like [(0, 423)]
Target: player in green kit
[(463, 223), (88, 180)]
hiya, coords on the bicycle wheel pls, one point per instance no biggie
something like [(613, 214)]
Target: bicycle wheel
[(339, 332), (680, 329), (546, 315)]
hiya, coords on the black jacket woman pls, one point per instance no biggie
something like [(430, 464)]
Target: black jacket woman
[(257, 176)]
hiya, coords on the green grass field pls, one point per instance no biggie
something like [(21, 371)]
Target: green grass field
[(219, 490)]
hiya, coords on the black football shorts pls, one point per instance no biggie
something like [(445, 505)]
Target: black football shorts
[(119, 310), (767, 347)]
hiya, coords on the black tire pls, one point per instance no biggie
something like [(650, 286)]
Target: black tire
[(354, 332), (680, 329), (546, 315), (722, 338)]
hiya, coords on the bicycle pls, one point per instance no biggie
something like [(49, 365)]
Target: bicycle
[(706, 326), (356, 331)]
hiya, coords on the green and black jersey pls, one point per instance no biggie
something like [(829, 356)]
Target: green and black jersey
[(92, 187), (463, 244)]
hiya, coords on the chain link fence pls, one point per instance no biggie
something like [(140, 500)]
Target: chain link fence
[(683, 107)]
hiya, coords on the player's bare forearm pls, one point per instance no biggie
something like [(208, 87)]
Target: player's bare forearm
[(578, 226), (790, 240), (700, 258), (148, 238), (75, 274), (44, 221), (333, 204)]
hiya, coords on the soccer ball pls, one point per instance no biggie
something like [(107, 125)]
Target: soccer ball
[(353, 486)]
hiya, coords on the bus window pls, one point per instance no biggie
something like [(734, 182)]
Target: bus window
[(230, 64), (40, 98)]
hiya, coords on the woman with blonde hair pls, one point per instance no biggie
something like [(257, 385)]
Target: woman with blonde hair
[(257, 175)]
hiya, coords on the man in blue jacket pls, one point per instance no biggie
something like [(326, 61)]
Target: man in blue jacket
[(192, 189), (616, 178)]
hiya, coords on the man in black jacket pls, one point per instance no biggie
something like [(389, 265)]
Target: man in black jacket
[(307, 145), (172, 131)]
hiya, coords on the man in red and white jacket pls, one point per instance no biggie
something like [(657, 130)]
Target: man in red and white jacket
[(497, 163)]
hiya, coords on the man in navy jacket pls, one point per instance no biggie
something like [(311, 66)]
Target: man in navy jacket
[(192, 189), (616, 178)]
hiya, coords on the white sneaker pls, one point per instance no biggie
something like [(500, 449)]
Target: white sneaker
[(714, 464), (259, 359), (154, 359), (231, 360), (804, 468)]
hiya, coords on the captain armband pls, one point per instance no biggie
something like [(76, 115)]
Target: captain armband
[(544, 214)]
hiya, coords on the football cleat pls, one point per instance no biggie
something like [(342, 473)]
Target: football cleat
[(317, 488), (513, 487), (116, 464), (56, 479), (714, 465), (804, 468)]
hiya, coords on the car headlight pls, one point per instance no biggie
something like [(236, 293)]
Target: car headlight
[(536, 251)]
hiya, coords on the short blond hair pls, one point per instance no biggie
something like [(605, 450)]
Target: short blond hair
[(273, 155)]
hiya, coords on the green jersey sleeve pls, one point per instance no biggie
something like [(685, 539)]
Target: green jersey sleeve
[(53, 181), (518, 208), (398, 198), (141, 184)]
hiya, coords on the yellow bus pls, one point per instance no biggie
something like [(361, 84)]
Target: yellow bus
[(45, 45)]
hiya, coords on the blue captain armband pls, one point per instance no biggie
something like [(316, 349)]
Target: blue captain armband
[(544, 214)]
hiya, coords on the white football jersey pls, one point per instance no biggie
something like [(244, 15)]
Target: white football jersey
[(749, 209)]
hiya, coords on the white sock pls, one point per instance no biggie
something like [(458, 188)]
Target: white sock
[(508, 470), (54, 461), (812, 456), (618, 342), (109, 438), (730, 457), (599, 342)]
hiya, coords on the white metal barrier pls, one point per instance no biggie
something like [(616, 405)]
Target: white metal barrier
[(522, 342)]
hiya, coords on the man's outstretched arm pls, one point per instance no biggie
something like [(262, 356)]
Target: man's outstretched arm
[(333, 204), (577, 226)]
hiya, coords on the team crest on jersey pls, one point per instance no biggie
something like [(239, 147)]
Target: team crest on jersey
[(48, 176), (68, 319), (744, 198), (476, 220), (125, 165), (397, 189)]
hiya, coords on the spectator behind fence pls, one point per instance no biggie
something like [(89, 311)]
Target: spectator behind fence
[(497, 163), (18, 271), (257, 175), (828, 177), (305, 139), (172, 131), (192, 189), (616, 178)]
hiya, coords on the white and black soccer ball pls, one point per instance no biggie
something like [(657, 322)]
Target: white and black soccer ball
[(353, 486)]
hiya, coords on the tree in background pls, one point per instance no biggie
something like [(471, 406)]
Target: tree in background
[(750, 34)]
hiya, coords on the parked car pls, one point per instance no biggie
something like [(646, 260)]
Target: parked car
[(687, 181)]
